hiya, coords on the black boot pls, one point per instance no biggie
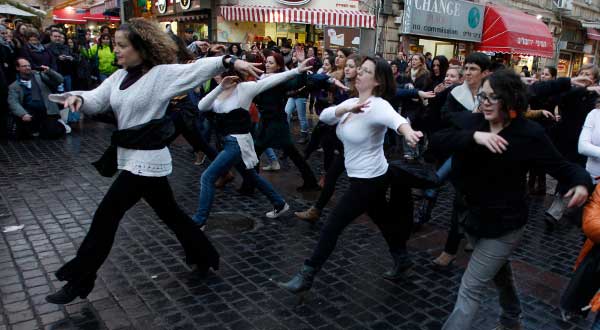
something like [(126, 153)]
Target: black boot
[(70, 291), (424, 212), (302, 281), (402, 263), (304, 138)]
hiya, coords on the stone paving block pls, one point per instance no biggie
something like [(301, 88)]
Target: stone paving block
[(51, 187)]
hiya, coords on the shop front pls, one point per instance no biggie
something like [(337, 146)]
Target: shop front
[(83, 18), (514, 38), (323, 23), (182, 15), (571, 48), (591, 51), (446, 28)]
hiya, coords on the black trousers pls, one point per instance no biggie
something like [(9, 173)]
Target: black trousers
[(124, 193), (289, 149), (193, 137), (364, 195), (459, 210), (336, 168)]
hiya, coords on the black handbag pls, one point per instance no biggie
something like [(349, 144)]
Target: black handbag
[(584, 284), (414, 175)]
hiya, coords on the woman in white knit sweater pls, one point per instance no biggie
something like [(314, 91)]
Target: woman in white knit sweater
[(138, 95), (231, 102)]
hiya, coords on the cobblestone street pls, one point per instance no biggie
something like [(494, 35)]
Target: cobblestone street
[(51, 188)]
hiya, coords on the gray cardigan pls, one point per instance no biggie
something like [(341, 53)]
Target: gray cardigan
[(47, 81)]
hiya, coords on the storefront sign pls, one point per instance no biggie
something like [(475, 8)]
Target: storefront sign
[(161, 5), (293, 2), (447, 19), (313, 4), (185, 4), (336, 37)]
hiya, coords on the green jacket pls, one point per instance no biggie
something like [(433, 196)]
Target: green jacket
[(106, 58), (48, 81)]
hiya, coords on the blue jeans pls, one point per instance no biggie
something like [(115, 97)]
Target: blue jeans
[(489, 261), (596, 325), (298, 104), (226, 159), (442, 173), (68, 85), (271, 154)]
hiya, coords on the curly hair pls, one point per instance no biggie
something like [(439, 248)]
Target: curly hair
[(152, 43), (510, 90)]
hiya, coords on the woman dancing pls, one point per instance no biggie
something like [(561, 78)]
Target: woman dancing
[(492, 153), (273, 129), (231, 102), (362, 123), (139, 95)]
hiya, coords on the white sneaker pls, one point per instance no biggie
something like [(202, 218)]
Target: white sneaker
[(67, 127), (274, 166), (275, 214)]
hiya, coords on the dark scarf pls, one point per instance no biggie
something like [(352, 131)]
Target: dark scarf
[(133, 75), (36, 91)]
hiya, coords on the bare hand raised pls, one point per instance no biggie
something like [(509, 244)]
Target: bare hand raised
[(250, 69), (494, 142)]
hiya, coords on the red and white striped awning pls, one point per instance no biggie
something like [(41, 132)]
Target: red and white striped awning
[(330, 17)]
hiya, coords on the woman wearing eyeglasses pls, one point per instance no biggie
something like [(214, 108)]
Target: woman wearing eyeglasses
[(492, 152)]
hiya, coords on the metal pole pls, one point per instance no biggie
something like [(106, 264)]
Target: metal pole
[(122, 11), (376, 25)]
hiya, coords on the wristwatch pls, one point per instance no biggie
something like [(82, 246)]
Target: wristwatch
[(232, 60)]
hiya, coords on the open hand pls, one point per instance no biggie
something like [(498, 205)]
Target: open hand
[(426, 95), (494, 142), (73, 103), (581, 81), (26, 118), (578, 195), (249, 69), (548, 114), (229, 81), (304, 65), (358, 107)]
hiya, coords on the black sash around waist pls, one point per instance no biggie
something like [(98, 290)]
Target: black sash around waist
[(234, 122), (153, 135)]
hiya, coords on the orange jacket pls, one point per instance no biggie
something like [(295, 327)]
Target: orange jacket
[(591, 229), (591, 224)]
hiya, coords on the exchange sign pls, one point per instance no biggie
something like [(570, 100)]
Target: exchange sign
[(447, 19)]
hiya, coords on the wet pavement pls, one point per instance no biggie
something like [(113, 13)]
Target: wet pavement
[(51, 188)]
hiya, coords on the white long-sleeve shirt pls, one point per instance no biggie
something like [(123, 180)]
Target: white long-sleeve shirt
[(243, 94), (144, 100), (363, 135), (241, 98), (589, 142)]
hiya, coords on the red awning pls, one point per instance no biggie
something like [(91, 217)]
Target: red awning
[(72, 15), (348, 18), (593, 34), (507, 30)]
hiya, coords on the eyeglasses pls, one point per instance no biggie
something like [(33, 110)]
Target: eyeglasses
[(484, 97)]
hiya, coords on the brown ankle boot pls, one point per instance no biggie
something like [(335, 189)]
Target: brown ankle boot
[(310, 215)]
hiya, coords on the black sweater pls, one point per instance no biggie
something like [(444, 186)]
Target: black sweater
[(494, 185)]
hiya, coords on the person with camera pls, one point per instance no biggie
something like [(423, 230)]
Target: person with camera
[(28, 101), (63, 56)]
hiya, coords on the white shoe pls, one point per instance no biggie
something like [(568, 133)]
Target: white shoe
[(275, 213), (67, 127), (274, 166)]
